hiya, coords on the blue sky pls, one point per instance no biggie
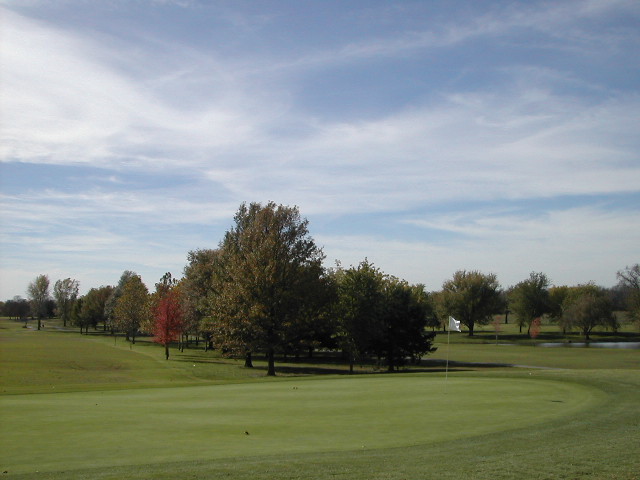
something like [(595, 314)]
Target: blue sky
[(427, 136)]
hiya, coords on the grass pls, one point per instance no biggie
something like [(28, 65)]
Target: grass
[(549, 332), (118, 413)]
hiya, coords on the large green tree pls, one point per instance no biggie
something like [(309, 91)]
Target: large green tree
[(471, 297), (38, 293), (92, 311), (404, 320), (360, 303), (529, 299), (65, 293), (132, 308), (264, 285), (314, 325), (629, 280), (381, 315)]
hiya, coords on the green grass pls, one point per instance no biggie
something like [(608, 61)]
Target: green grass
[(549, 332), (191, 423), (126, 413), (462, 356)]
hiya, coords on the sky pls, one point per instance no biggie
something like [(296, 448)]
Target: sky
[(425, 136)]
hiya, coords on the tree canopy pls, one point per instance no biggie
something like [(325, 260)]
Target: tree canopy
[(529, 299), (38, 292), (132, 307), (265, 283), (112, 301), (167, 312), (381, 315), (587, 306), (359, 307), (65, 293), (92, 308), (629, 280), (471, 297), (198, 285)]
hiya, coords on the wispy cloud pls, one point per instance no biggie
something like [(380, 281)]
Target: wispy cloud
[(562, 243), (539, 106)]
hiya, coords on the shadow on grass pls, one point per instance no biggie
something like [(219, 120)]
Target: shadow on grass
[(425, 366), (202, 359)]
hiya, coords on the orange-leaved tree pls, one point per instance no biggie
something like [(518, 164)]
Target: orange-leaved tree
[(168, 312)]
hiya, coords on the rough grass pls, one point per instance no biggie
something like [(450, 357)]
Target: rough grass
[(566, 422)]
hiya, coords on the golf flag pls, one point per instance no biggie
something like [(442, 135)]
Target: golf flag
[(454, 325)]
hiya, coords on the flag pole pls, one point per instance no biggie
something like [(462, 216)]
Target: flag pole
[(446, 370), (453, 325)]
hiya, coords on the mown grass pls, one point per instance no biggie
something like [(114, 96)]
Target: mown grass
[(549, 332), (577, 419)]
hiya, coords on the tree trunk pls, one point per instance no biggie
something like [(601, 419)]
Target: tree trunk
[(471, 326), (391, 360), (166, 351), (390, 369), (38, 323), (248, 361), (271, 368)]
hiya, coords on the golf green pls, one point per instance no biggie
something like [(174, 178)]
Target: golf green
[(68, 431)]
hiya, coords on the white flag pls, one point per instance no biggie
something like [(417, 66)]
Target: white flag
[(454, 325)]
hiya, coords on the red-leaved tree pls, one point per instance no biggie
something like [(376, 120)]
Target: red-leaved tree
[(168, 313)]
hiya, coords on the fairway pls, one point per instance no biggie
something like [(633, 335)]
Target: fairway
[(68, 431)]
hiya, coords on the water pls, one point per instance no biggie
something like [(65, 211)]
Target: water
[(630, 345)]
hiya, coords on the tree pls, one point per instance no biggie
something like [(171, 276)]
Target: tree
[(38, 293), (76, 313), (629, 279), (264, 285), (586, 307), (404, 320), (93, 307), (471, 297), (167, 311), (313, 327), (112, 301), (132, 308), (17, 308), (529, 299), (381, 315), (65, 293), (359, 309), (198, 287)]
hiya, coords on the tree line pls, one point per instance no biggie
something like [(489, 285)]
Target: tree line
[(265, 290)]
